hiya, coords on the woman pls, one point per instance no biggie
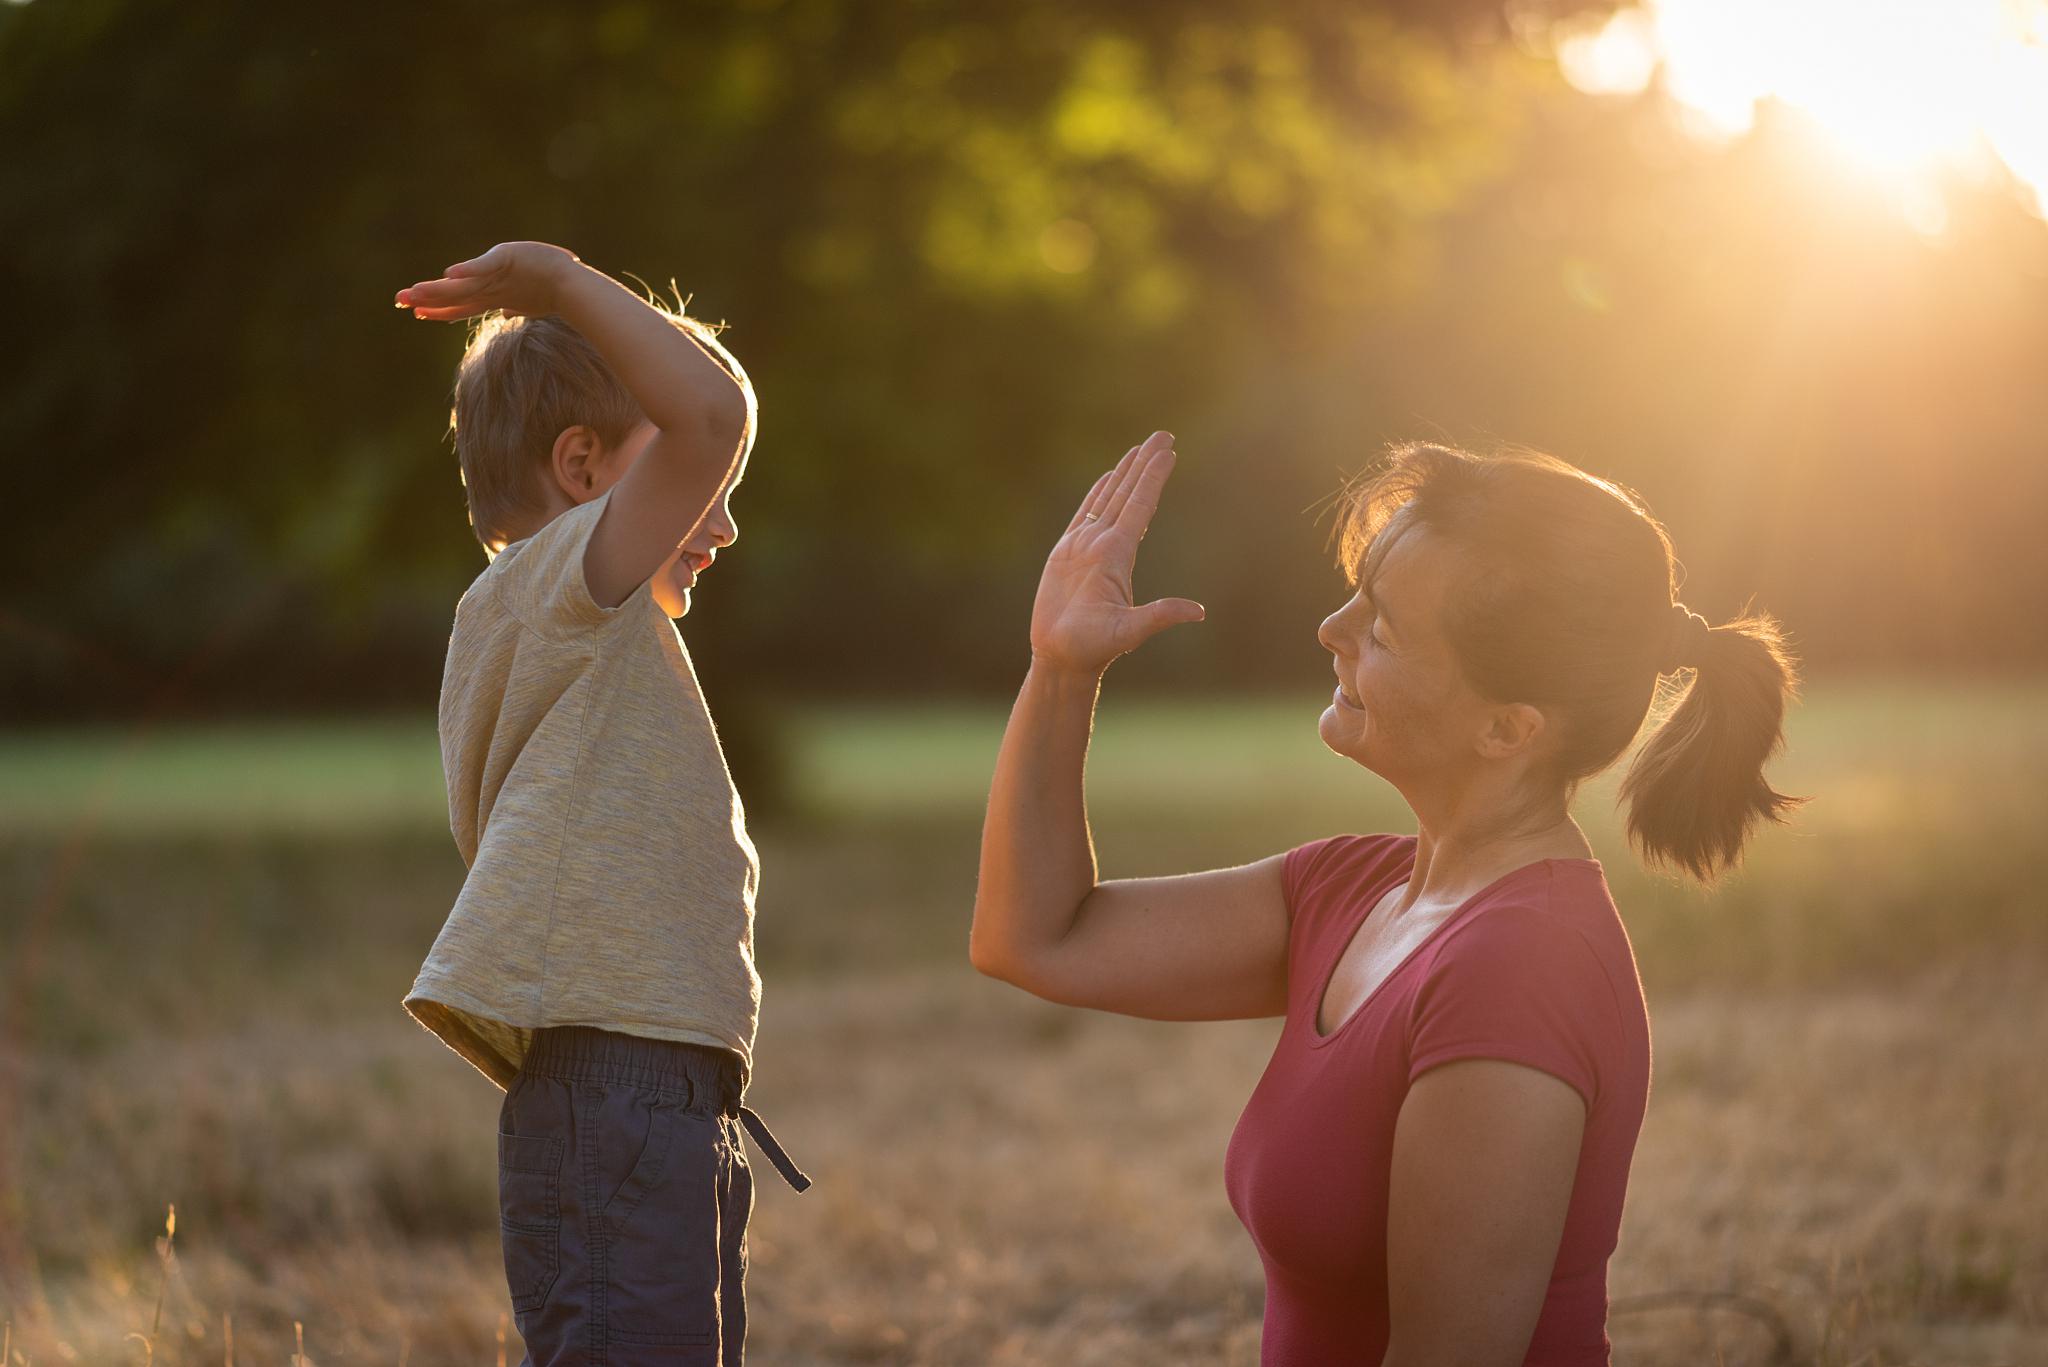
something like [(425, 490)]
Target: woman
[(1433, 1165)]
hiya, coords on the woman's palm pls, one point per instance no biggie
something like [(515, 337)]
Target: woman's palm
[(1085, 614)]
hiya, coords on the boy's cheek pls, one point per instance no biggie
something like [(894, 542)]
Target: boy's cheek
[(678, 590), (674, 577)]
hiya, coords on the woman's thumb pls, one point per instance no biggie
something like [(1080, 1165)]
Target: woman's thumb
[(1168, 612)]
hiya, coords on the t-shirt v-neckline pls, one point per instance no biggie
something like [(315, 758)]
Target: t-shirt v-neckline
[(1316, 1039)]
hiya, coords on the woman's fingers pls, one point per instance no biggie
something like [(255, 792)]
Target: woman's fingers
[(1136, 514), (1161, 613), (1141, 486), (1099, 505), (1088, 503), (1106, 503), (1114, 490), (1098, 496)]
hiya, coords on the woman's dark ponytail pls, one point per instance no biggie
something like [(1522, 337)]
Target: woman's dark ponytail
[(1565, 602), (1696, 788)]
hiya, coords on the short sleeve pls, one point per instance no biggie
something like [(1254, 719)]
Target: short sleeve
[(1326, 885), (1298, 871), (545, 583), (1334, 871), (1516, 983)]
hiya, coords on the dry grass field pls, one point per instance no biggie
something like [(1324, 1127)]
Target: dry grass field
[(204, 936)]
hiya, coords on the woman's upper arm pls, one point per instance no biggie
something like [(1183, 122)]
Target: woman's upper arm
[(1485, 1154), (1195, 946)]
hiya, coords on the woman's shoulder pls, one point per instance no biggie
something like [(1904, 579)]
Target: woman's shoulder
[(1338, 870), (1555, 924), (1538, 971), (1337, 857), (1562, 900)]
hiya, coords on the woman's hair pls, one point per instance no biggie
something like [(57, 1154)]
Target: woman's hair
[(1566, 600)]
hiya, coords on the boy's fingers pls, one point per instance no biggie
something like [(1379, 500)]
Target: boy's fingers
[(477, 265), (446, 290)]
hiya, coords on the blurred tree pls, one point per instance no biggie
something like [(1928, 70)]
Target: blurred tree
[(968, 251), (960, 244)]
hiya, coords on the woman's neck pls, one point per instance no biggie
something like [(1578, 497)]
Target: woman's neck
[(1459, 853)]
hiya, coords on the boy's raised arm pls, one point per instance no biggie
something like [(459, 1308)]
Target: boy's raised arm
[(692, 390)]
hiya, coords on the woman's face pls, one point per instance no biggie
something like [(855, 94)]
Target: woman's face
[(1401, 706)]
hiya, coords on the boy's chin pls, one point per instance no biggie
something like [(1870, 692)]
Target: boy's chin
[(673, 599)]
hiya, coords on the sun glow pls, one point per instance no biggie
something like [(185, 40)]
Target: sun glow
[(1905, 88)]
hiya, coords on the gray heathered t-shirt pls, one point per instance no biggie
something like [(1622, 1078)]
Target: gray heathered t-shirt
[(611, 881)]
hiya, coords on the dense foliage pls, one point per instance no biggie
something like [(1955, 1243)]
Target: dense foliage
[(970, 252)]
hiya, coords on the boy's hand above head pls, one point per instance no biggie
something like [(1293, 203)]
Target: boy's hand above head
[(518, 277), (689, 389)]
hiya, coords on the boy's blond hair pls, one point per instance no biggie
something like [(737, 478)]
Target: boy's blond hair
[(522, 383)]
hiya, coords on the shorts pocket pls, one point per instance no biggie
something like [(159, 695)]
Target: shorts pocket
[(661, 1277), (530, 1215)]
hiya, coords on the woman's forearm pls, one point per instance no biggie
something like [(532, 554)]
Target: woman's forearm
[(1037, 861), (1037, 865)]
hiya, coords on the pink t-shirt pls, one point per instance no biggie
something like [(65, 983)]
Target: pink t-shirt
[(1535, 969)]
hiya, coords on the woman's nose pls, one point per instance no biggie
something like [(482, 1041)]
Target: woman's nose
[(1327, 632)]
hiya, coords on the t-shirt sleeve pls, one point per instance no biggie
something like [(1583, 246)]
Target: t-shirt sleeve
[(548, 588), (1517, 985), (1325, 879), (1299, 870)]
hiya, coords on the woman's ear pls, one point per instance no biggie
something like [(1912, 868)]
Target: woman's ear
[(578, 464), (1511, 730)]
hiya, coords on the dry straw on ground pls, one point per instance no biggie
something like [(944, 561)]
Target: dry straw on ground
[(1002, 1182), (1842, 1162)]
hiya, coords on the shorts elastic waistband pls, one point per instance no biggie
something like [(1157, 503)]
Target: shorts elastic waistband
[(699, 1074)]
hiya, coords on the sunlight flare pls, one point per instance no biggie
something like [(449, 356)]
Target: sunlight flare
[(1905, 89)]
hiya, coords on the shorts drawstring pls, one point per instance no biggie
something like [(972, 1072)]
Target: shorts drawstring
[(765, 1138)]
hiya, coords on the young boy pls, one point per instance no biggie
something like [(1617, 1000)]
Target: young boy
[(598, 964)]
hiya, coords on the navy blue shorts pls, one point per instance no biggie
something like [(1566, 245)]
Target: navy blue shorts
[(623, 1200)]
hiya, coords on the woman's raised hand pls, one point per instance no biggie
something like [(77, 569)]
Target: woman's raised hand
[(1084, 616)]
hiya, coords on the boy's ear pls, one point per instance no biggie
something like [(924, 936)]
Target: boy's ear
[(578, 464)]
